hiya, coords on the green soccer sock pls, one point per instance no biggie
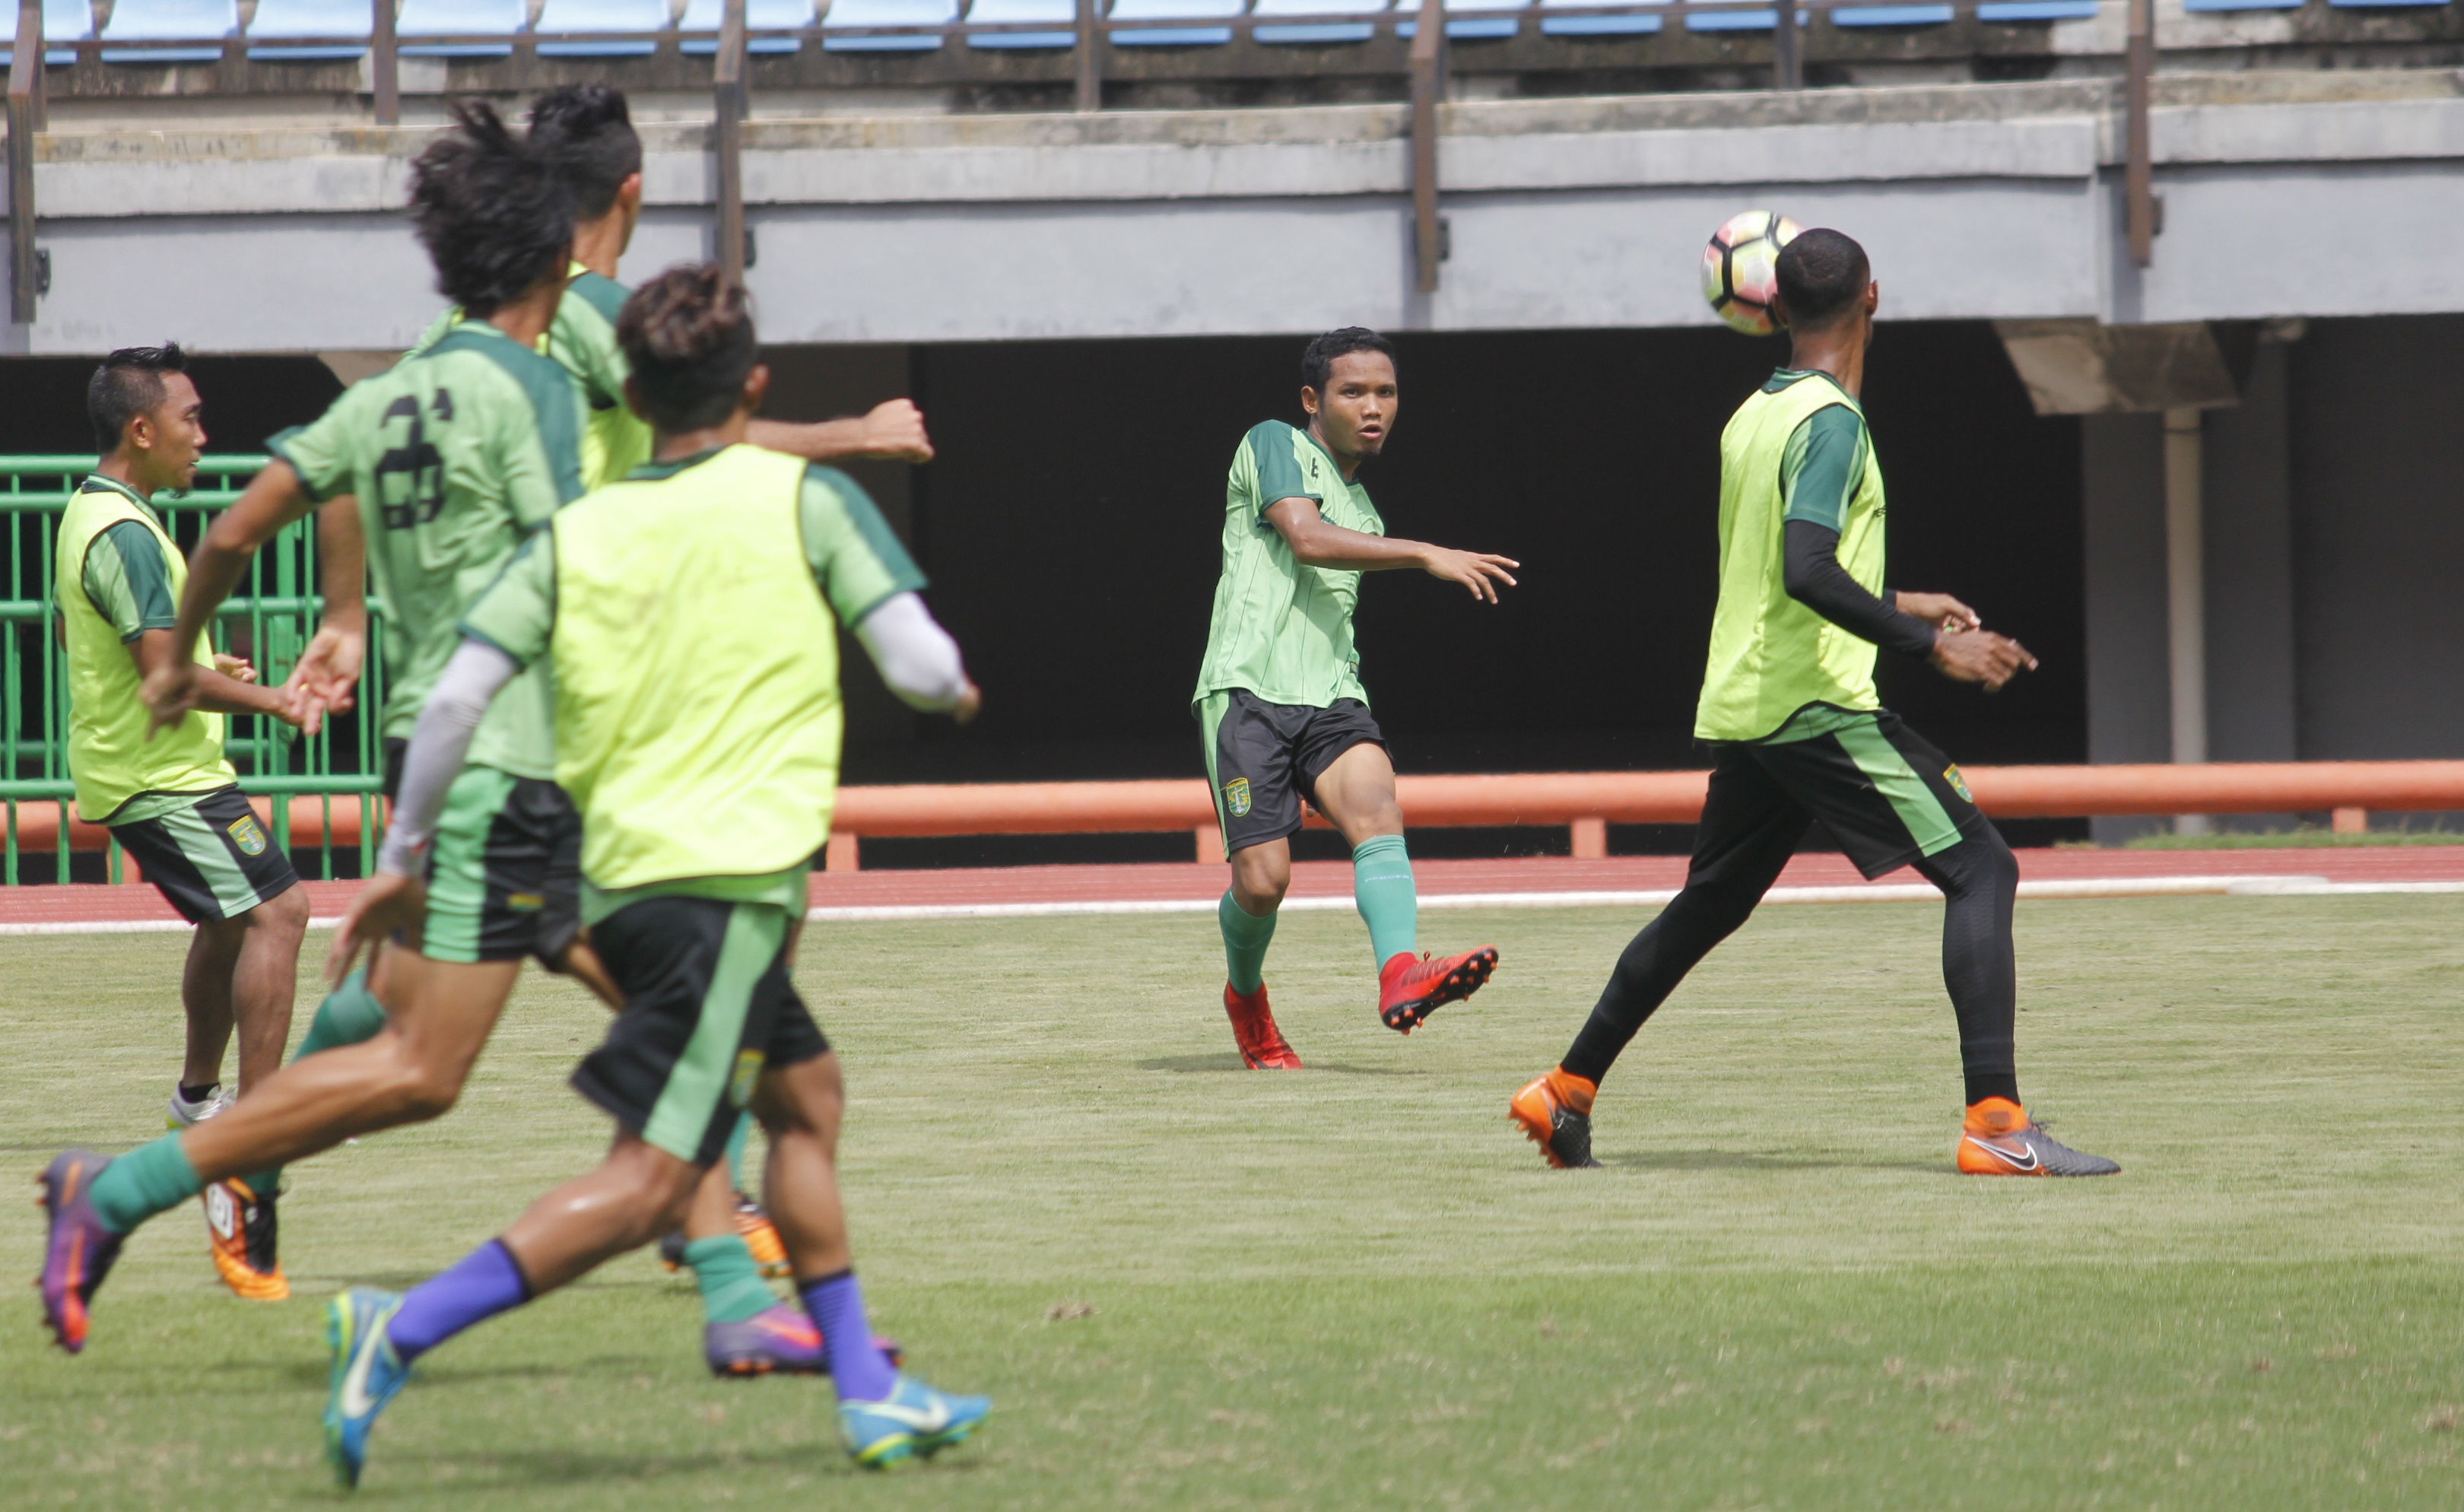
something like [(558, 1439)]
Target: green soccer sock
[(1382, 889), (349, 1015), (736, 1142), (732, 1288), (1245, 938), (150, 1179)]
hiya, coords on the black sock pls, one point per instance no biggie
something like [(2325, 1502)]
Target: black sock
[(197, 1094), (1979, 879), (1703, 915)]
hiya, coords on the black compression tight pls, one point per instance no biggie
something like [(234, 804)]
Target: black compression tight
[(1979, 879)]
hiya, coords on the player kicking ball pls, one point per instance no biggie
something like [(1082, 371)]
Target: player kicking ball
[(687, 616), (1279, 702), (1799, 733)]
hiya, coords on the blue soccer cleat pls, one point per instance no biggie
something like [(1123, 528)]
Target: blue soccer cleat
[(366, 1375), (915, 1419)]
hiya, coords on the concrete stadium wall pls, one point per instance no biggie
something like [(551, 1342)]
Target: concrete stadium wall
[(2319, 194)]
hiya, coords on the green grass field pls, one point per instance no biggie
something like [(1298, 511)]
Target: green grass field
[(1189, 1286)]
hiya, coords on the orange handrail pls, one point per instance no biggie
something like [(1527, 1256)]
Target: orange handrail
[(38, 822), (1533, 798)]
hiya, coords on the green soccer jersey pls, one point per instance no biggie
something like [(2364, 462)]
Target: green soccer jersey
[(1281, 629), (456, 454), (582, 341)]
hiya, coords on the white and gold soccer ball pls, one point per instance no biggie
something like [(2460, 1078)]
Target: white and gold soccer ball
[(1741, 268)]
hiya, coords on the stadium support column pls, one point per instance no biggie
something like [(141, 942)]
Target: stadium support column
[(1428, 92), (26, 122), (731, 106), (2186, 598)]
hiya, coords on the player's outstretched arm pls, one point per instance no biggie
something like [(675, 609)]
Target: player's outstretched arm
[(273, 499), (326, 677), (395, 898), (893, 429), (1318, 543)]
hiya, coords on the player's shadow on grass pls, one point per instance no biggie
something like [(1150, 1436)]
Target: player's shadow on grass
[(1750, 1160), (1230, 1061), (554, 1465)]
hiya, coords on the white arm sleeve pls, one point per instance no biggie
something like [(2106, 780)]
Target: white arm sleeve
[(471, 680), (914, 655)]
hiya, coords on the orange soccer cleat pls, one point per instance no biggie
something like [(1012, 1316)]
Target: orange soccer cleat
[(241, 1231), (2000, 1139), (1253, 1029), (1410, 989), (760, 1236), (1555, 1113)]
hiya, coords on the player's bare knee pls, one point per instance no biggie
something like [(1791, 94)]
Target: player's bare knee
[(286, 911)]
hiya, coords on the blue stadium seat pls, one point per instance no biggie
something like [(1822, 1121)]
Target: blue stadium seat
[(63, 21), (1316, 31), (1060, 13), (1173, 11), (1595, 25), (600, 15), (1892, 15), (190, 21), (2037, 11), (2252, 5), (887, 13), (419, 18), (278, 19), (2373, 3), (1739, 18), (704, 17), (1474, 28)]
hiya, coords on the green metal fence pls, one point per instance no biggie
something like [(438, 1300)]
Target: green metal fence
[(268, 620)]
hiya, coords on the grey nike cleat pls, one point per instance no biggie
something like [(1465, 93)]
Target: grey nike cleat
[(2000, 1139)]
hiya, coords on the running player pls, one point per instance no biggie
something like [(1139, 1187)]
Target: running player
[(454, 457), (1280, 703), (172, 801), (690, 615), (1799, 733)]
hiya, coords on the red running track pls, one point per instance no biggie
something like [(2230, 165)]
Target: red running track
[(37, 906)]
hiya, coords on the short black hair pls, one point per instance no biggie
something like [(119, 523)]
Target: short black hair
[(493, 215), (1319, 359), (586, 132), (127, 385), (1821, 274), (688, 334)]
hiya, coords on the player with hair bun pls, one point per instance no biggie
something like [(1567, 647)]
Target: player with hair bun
[(688, 615)]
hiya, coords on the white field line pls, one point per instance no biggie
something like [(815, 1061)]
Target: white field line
[(1895, 892)]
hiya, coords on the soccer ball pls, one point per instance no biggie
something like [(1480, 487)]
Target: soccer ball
[(1741, 268)]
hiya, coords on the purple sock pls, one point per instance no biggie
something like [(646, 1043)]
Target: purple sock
[(837, 1310), (485, 1284)]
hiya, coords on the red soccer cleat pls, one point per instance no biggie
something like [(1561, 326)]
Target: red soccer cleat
[(1410, 989), (1253, 1029)]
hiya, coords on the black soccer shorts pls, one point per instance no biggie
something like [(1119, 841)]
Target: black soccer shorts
[(709, 1006), (504, 869), (1883, 790), (1263, 758), (211, 859)]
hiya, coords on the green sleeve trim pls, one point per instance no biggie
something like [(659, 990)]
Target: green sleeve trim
[(129, 585), (851, 591), (548, 387), (1271, 444), (1822, 466), (524, 594), (279, 445)]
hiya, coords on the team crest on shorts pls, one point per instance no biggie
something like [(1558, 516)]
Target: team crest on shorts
[(245, 834), (1236, 797), (748, 1070), (1958, 783)]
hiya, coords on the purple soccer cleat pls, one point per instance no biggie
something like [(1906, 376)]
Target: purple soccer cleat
[(779, 1338), (80, 1251)]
